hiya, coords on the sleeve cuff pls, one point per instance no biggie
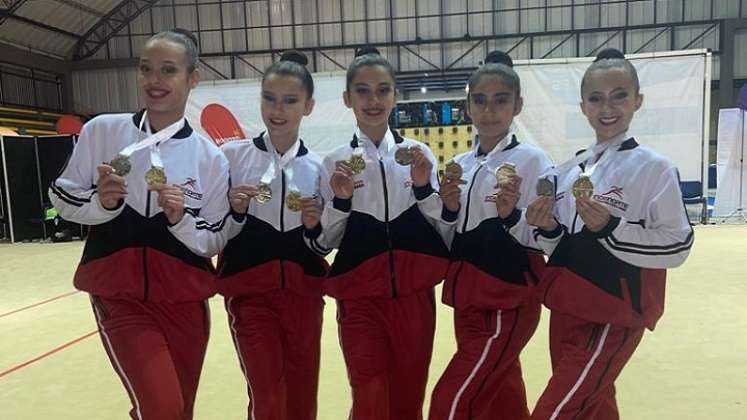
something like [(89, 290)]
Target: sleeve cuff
[(178, 225), (116, 209), (607, 229), (550, 234), (313, 233), (342, 204), (238, 217), (512, 219), (421, 193), (448, 215)]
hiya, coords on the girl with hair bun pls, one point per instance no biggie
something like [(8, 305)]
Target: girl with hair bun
[(491, 281), (272, 269), (615, 226), (381, 214), (156, 212)]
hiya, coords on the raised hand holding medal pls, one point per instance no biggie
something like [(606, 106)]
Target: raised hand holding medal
[(506, 174), (239, 197), (450, 190), (420, 167), (111, 188)]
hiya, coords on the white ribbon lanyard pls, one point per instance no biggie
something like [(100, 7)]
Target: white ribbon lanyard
[(358, 149), (586, 156), (280, 162), (152, 140)]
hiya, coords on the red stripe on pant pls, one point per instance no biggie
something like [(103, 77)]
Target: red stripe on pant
[(157, 349), (387, 344), (483, 379), (278, 338), (587, 358)]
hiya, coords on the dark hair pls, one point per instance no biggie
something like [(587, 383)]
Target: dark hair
[(609, 59), (186, 39), (499, 57), (293, 63), (367, 57), (497, 63), (608, 53)]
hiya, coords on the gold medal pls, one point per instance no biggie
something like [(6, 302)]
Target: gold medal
[(453, 171), (264, 193), (155, 175), (505, 174), (545, 187), (293, 201), (583, 187), (403, 156), (357, 164), (121, 165)]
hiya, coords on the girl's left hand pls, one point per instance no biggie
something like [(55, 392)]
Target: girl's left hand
[(171, 200), (507, 197), (595, 215), (311, 212), (421, 167)]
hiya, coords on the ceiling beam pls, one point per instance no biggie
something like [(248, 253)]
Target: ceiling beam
[(4, 15), (108, 26)]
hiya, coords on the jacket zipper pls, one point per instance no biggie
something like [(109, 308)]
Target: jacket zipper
[(388, 234), (282, 226), (464, 229), (146, 280)]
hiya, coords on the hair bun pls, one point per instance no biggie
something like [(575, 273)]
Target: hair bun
[(367, 50), (609, 53), (499, 57), (186, 32), (295, 56)]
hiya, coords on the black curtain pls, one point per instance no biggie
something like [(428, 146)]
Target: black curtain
[(32, 164)]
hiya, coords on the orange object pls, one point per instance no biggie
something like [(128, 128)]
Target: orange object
[(69, 124), (220, 124)]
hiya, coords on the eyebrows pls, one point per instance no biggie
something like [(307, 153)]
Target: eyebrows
[(144, 60), (615, 90), (285, 95), (362, 84), (496, 95)]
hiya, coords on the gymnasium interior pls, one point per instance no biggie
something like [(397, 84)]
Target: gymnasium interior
[(64, 62)]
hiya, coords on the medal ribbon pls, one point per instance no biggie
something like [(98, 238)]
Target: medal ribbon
[(280, 162), (152, 139), (587, 156)]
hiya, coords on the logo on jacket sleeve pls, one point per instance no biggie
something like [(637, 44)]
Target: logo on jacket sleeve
[(613, 197), (189, 188)]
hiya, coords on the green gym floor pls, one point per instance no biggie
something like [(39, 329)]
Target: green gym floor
[(52, 365)]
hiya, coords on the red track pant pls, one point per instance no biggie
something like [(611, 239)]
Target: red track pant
[(483, 379), (387, 344), (278, 337), (157, 349), (586, 359)]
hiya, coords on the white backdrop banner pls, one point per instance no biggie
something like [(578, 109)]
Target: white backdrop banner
[(670, 121), (330, 124), (729, 168)]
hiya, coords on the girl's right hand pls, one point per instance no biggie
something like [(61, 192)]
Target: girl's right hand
[(239, 197), (111, 187), (341, 181), (450, 192), (311, 212), (539, 213)]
